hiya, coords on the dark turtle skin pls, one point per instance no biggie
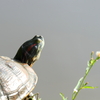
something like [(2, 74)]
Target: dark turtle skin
[(30, 51), (17, 78)]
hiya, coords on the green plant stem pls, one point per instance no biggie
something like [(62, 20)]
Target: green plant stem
[(86, 73)]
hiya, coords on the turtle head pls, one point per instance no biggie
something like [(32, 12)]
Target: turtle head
[(30, 51)]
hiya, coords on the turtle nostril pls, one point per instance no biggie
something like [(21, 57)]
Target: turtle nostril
[(37, 35)]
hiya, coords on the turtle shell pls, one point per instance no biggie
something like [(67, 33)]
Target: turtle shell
[(17, 80)]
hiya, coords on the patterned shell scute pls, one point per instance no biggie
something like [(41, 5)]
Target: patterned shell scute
[(16, 80)]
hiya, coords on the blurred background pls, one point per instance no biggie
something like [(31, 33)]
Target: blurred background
[(71, 29)]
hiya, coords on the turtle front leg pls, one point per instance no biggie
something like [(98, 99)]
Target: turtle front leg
[(32, 96)]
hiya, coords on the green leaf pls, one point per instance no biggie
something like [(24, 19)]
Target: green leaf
[(89, 87), (63, 97)]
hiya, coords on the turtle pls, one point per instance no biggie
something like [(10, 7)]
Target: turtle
[(17, 77)]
